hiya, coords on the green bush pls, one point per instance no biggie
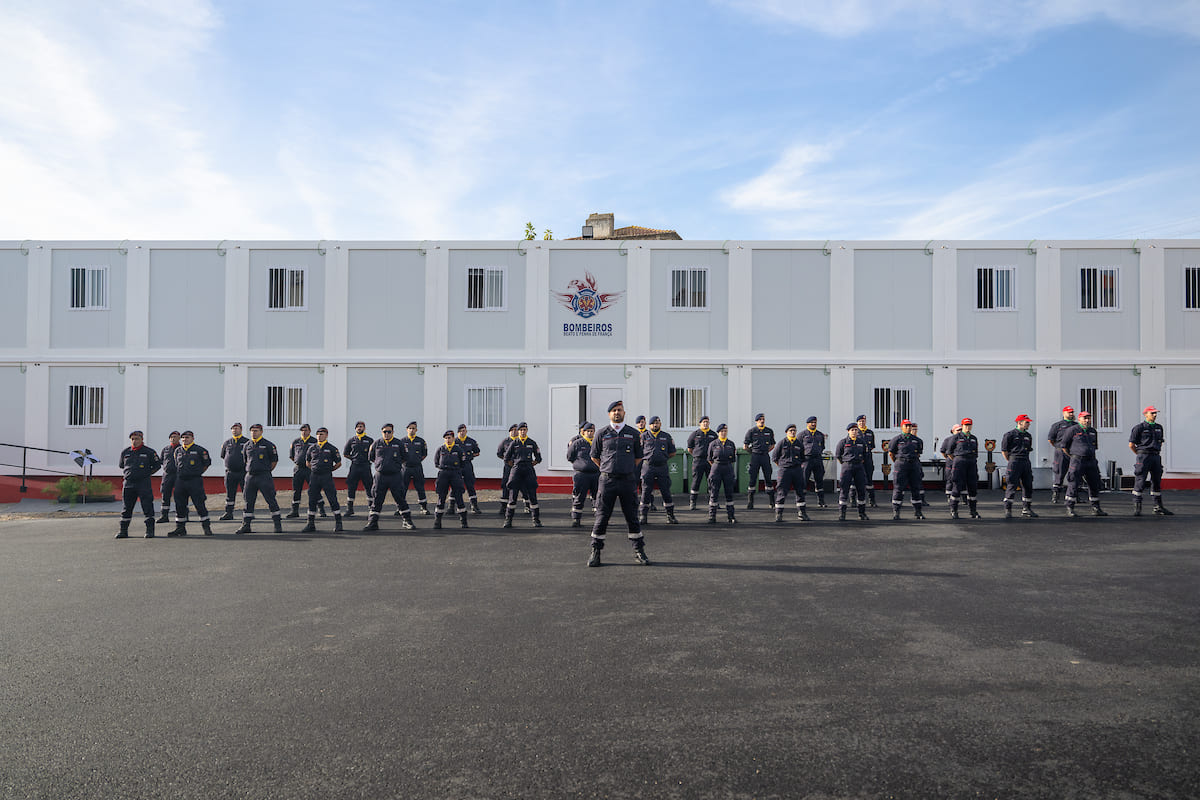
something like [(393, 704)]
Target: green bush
[(98, 487), (70, 488)]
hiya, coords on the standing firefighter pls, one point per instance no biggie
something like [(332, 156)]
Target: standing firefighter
[(1061, 462), (759, 442), (261, 458), (506, 471), (388, 456), (1080, 444), (788, 455), (964, 450), (617, 451), (415, 452), (698, 444), (300, 472), (138, 463), (448, 460), (235, 467), (1146, 441), (358, 452), (167, 489), (523, 455), (587, 475), (813, 442), (722, 456), (323, 460), (1017, 446), (850, 452), (657, 448), (867, 436), (906, 450), (471, 451), (191, 460)]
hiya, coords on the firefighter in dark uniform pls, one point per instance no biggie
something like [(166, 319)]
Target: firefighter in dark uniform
[(191, 460), (1080, 443), (850, 452), (867, 436), (1017, 447), (758, 443), (947, 462), (640, 424), (1061, 462), (617, 451), (358, 452), (1146, 441), (300, 472), (415, 451), (657, 449), (906, 450), (506, 471), (448, 461), (323, 460), (722, 472), (698, 444), (523, 455), (167, 489), (261, 458), (587, 475), (964, 450), (788, 455), (471, 451), (235, 467), (387, 454), (813, 442), (138, 463)]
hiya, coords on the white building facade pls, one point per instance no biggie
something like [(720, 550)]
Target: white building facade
[(103, 337)]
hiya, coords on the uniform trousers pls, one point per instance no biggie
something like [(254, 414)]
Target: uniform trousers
[(1061, 465), (190, 489), (700, 468), (131, 493), (414, 475), (1083, 470), (1020, 473), (359, 474), (907, 474), (814, 470), (318, 482), (613, 487), (522, 480), (721, 475), (583, 483), (964, 477), (505, 474), (468, 476), (760, 462), (260, 483), (852, 475), (790, 478), (167, 489), (1147, 465), (300, 476), (656, 476), (233, 482), (449, 481), (388, 482)]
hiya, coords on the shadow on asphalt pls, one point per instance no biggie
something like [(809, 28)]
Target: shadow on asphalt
[(802, 570)]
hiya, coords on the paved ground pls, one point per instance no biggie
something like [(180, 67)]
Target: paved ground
[(1044, 658)]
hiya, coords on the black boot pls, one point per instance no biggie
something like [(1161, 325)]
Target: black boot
[(149, 527), (228, 515), (1137, 507), (841, 513), (508, 517), (311, 527), (821, 500), (1097, 511), (424, 508), (871, 497), (644, 515), (1160, 509), (953, 510), (165, 517), (895, 512), (372, 523), (1008, 510), (1054, 494), (207, 526), (771, 496), (528, 508), (692, 503), (475, 506), (537, 517), (123, 533), (245, 527), (862, 511), (321, 510), (639, 552), (750, 502), (462, 519), (277, 523), (406, 521), (778, 514), (671, 515), (594, 559), (295, 511), (437, 521), (576, 520), (803, 514), (1027, 511), (337, 523), (974, 509), (1071, 510), (729, 513), (712, 515), (349, 509), (180, 529), (917, 512), (503, 507)]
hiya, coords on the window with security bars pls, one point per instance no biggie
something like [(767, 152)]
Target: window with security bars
[(687, 405), (995, 288), (1099, 289), (486, 289), (485, 407), (87, 406), (1103, 402), (891, 406), (285, 406), (1191, 288), (689, 288), (89, 288), (285, 289)]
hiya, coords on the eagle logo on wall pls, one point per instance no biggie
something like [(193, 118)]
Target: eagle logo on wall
[(583, 299)]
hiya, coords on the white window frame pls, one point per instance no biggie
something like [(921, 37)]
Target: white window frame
[(992, 288), (893, 406), (484, 424), (287, 297), (1100, 269), (288, 421), (91, 273), (1097, 419), (1191, 287), (686, 422), (688, 305), (488, 271), (89, 409)]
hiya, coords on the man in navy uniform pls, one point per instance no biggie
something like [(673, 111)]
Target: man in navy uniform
[(448, 461), (640, 424), (698, 444), (323, 460), (867, 437), (1017, 446), (722, 472), (235, 467), (813, 442), (617, 451), (191, 460), (947, 462), (1079, 443), (387, 454), (523, 455), (1061, 462), (300, 472), (587, 475), (471, 451), (415, 452), (167, 489), (506, 471), (657, 449), (964, 450), (138, 463), (1146, 441), (788, 455), (261, 458), (850, 452), (358, 452), (906, 450), (758, 443)]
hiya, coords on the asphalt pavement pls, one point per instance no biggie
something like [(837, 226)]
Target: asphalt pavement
[(1047, 658)]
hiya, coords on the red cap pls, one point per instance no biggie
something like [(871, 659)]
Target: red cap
[(906, 422), (1024, 418), (968, 421), (1148, 409), (1068, 408)]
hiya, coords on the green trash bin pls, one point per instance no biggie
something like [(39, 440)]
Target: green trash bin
[(741, 480), (686, 485), (677, 471)]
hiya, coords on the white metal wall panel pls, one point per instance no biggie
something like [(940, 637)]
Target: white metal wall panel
[(286, 329), (377, 395), (183, 398), (661, 381), (458, 378), (487, 330), (789, 290), (257, 381), (786, 396), (386, 300), (690, 329), (1114, 446), (187, 299), (77, 329), (1183, 325), (1182, 408), (107, 442), (993, 398), (14, 277), (569, 271), (12, 416), (1100, 330), (997, 329), (865, 381), (893, 300)]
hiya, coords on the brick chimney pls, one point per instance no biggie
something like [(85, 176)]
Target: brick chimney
[(602, 225)]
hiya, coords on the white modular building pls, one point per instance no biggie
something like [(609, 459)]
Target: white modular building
[(102, 337)]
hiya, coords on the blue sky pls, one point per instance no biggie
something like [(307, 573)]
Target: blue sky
[(728, 119)]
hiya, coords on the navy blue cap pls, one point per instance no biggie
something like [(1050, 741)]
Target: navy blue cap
[(810, 419), (583, 426), (136, 433), (791, 427), (523, 425), (512, 428), (447, 433), (614, 404), (655, 419), (760, 416), (704, 418), (860, 416), (409, 425), (852, 427), (462, 427), (722, 427), (641, 418)]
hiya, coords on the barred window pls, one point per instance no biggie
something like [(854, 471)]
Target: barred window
[(285, 289), (689, 288), (1103, 402), (486, 289), (485, 407), (87, 406), (1099, 289), (89, 288), (892, 405), (995, 288), (285, 406), (1191, 288), (688, 404)]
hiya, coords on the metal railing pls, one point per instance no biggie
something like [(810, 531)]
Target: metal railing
[(25, 468)]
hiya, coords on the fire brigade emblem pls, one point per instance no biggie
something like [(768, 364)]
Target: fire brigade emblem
[(583, 299)]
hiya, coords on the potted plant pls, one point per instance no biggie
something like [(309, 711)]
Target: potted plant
[(73, 489)]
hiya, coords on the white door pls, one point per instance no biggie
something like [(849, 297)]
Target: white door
[(1183, 429), (598, 398), (564, 419)]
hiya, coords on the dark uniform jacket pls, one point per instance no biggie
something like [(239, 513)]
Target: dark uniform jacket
[(657, 448), (138, 465), (470, 448), (299, 452), (1147, 437), (260, 456), (502, 448), (415, 450), (167, 456), (963, 446), (722, 452), (867, 437), (358, 450), (190, 462), (1018, 444), (451, 459), (387, 455), (324, 458), (760, 440), (1057, 430), (813, 443), (1081, 442), (699, 442), (788, 453), (850, 451), (906, 447), (579, 453), (618, 451), (232, 455), (522, 453)]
